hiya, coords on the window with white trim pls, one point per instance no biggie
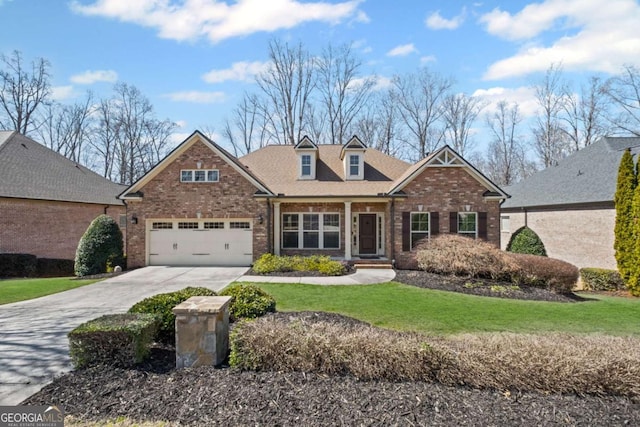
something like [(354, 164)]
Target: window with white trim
[(236, 225), (468, 224), (305, 165), (199, 175), (216, 225), (504, 223), (188, 225), (162, 225), (354, 165), (310, 231), (419, 227)]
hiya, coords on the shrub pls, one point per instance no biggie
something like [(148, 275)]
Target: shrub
[(116, 339), (161, 306), (99, 247), (269, 263), (18, 265), (248, 301), (526, 241), (52, 267), (600, 279), (625, 236), (542, 272), (459, 255)]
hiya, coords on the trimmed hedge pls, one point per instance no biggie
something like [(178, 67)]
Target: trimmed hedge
[(248, 301), (115, 339), (100, 247), (18, 265), (600, 279), (542, 272), (161, 306), (526, 241), (269, 263), (53, 267)]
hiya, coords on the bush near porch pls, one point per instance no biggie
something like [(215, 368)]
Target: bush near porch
[(269, 263)]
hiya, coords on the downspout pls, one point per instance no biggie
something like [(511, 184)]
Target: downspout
[(268, 226)]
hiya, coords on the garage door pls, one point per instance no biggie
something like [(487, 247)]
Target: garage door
[(201, 242)]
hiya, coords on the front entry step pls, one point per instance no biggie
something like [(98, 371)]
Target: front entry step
[(373, 266)]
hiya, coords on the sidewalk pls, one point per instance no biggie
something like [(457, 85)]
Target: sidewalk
[(367, 276)]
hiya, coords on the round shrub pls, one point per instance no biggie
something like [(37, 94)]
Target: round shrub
[(526, 241), (542, 272), (162, 305), (248, 301), (100, 246)]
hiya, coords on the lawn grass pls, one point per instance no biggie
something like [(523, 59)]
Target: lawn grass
[(402, 307), (13, 290)]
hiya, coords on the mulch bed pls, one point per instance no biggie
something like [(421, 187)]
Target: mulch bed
[(483, 287), (205, 396)]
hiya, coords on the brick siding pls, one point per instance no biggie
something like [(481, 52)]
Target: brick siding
[(47, 229)]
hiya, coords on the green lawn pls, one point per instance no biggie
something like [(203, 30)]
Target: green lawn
[(12, 290), (398, 306)]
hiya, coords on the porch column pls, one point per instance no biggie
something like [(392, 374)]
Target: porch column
[(276, 228), (347, 230)]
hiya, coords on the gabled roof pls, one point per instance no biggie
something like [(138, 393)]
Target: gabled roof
[(29, 170), (586, 176), (276, 165), (353, 144), (446, 157), (306, 144), (133, 192)]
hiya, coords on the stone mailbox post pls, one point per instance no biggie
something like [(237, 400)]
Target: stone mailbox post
[(202, 331)]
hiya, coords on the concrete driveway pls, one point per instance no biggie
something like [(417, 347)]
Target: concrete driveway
[(33, 334)]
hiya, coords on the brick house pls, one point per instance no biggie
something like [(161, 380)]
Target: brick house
[(202, 206), (47, 201), (570, 205)]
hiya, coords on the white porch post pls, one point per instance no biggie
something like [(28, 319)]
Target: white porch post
[(276, 228), (347, 230)]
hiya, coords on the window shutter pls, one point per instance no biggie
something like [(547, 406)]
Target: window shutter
[(482, 225), (453, 222), (406, 231), (435, 223)]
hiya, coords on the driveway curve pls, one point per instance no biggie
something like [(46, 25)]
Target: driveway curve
[(33, 334)]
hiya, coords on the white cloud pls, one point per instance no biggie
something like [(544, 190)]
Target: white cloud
[(599, 35), (181, 123), (218, 20), (90, 77), (61, 93), (402, 50), (427, 59), (435, 21), (524, 96), (380, 82), (197, 97), (240, 71)]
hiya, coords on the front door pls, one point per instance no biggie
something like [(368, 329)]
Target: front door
[(367, 239)]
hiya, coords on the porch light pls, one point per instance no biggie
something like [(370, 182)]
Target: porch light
[(199, 164), (467, 208), (199, 214), (134, 219), (420, 207), (260, 219)]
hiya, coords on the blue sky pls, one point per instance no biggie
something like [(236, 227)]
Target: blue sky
[(194, 58)]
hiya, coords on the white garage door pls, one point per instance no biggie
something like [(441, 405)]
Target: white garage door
[(201, 242)]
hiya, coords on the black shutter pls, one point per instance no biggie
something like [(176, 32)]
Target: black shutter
[(435, 223), (406, 231), (482, 225), (453, 222)]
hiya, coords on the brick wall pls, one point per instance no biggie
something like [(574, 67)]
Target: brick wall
[(582, 237), (47, 229), (166, 197), (444, 190)]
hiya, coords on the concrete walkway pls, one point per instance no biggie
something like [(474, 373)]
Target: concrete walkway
[(33, 334), (365, 276)]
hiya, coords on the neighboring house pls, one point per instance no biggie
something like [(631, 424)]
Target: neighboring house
[(570, 205), (47, 201), (202, 206)]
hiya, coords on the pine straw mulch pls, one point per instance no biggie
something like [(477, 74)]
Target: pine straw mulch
[(205, 396), (483, 287)]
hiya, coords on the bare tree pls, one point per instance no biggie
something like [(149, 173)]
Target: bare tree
[(585, 114), (505, 161), (459, 112), (247, 129), (287, 86), (343, 92), (66, 129), (624, 92), (550, 138), (419, 98), (378, 125), (22, 91)]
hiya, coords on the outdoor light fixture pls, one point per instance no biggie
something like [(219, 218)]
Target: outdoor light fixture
[(467, 208), (198, 214), (420, 207), (134, 219), (199, 164), (260, 219)]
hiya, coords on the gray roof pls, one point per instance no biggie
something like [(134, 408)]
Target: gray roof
[(29, 170), (586, 176)]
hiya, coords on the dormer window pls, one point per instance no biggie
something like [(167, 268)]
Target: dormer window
[(307, 155), (352, 156), (305, 166), (354, 165)]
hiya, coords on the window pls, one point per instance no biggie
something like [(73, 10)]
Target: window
[(467, 223), (123, 220), (188, 225), (235, 225), (311, 231), (419, 227), (504, 223), (213, 225), (354, 165), (162, 225), (305, 170), (199, 175)]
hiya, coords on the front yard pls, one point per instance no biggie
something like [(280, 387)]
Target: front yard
[(13, 290)]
